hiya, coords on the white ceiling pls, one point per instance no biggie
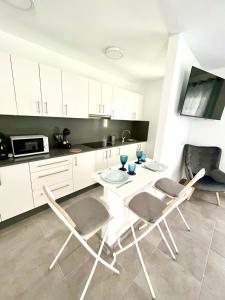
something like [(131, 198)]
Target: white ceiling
[(83, 28)]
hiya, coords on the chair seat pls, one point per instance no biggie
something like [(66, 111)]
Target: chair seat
[(147, 206), (208, 184), (89, 215), (169, 187)]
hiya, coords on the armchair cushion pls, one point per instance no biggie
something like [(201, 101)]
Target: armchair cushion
[(218, 175)]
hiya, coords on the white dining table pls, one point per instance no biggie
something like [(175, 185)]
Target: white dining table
[(116, 198)]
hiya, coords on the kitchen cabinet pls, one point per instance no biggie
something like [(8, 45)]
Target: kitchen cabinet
[(126, 105), (101, 159), (135, 105), (95, 97), (83, 168), (141, 146), (27, 86), (129, 150), (100, 98), (120, 109), (7, 93), (75, 95), (15, 191), (107, 93), (51, 91), (56, 173)]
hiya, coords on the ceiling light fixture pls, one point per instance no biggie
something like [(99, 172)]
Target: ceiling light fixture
[(23, 5), (114, 52)]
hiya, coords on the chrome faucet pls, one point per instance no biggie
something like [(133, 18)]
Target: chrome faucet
[(124, 135)]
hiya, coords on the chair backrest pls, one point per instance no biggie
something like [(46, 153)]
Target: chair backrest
[(198, 157), (58, 210)]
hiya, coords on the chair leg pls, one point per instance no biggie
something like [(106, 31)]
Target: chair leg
[(182, 217), (218, 198), (93, 268), (142, 262), (167, 244), (60, 251), (171, 237)]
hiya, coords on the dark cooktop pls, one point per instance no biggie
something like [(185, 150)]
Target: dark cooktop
[(94, 145)]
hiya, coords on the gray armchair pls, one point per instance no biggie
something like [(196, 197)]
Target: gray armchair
[(198, 157)]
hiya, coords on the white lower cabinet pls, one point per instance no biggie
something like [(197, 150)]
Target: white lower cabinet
[(59, 190), (83, 168), (15, 191), (129, 150), (56, 173)]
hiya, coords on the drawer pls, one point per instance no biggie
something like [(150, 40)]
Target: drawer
[(51, 176), (59, 190), (46, 164)]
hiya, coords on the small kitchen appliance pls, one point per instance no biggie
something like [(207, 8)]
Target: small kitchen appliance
[(3, 147), (29, 145)]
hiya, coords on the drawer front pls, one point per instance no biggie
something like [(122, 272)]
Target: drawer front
[(59, 190), (37, 166), (51, 176)]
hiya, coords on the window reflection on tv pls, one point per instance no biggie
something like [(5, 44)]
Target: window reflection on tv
[(205, 95)]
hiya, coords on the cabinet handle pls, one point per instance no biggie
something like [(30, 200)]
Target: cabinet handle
[(49, 164), (66, 108), (46, 175), (113, 113), (106, 154), (119, 151), (46, 107), (75, 161), (103, 108), (61, 187), (109, 153)]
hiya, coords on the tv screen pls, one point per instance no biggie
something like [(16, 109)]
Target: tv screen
[(205, 95)]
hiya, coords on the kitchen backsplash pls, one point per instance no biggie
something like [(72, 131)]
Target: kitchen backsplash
[(82, 130)]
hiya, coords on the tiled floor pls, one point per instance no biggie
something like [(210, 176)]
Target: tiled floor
[(28, 247)]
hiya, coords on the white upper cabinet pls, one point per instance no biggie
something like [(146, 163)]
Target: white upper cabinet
[(95, 97), (137, 106), (107, 93), (126, 105), (51, 91), (7, 95), (27, 86), (120, 108), (75, 95)]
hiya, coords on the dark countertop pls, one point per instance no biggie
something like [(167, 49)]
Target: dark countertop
[(57, 152)]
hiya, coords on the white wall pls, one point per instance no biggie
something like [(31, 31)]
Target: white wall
[(210, 132), (18, 46), (173, 129), (152, 101)]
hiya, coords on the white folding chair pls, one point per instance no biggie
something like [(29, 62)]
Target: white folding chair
[(173, 189), (84, 218), (152, 211)]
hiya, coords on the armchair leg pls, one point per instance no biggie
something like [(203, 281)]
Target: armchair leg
[(218, 198)]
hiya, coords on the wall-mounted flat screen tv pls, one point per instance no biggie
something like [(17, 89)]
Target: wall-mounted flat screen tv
[(205, 95)]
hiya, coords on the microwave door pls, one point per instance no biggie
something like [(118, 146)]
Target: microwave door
[(23, 147)]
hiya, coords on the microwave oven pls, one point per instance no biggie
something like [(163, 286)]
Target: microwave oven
[(29, 145)]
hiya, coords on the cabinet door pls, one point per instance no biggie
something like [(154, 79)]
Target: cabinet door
[(7, 94), (101, 160), (129, 150), (141, 146), (51, 91), (107, 92), (95, 97), (114, 157), (15, 191), (75, 95), (120, 107), (27, 86), (83, 169), (138, 105)]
